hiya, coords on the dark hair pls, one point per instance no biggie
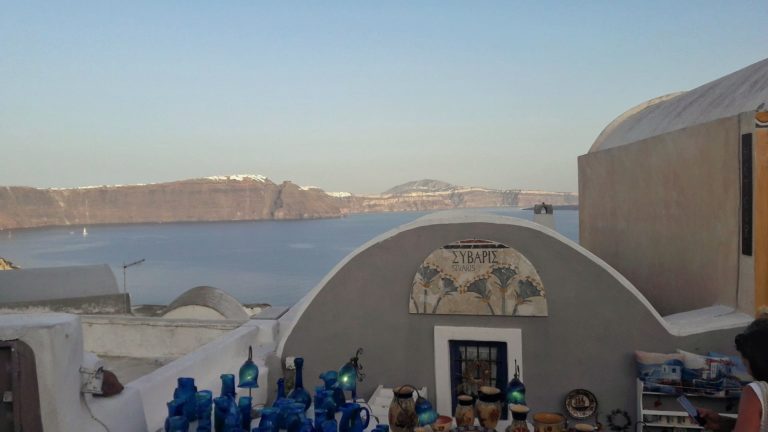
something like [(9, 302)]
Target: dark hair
[(753, 346)]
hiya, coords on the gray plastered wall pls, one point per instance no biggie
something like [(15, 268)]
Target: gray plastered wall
[(665, 213), (594, 325), (46, 283)]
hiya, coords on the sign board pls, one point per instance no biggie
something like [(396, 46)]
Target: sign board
[(477, 277)]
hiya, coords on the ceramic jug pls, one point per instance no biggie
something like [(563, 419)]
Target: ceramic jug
[(352, 419), (402, 410)]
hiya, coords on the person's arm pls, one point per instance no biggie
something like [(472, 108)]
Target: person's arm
[(750, 412), (716, 422)]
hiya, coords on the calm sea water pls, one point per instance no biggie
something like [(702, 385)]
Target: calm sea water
[(274, 262)]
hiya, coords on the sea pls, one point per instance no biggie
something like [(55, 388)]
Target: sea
[(274, 262)]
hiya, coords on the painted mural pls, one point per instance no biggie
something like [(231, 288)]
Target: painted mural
[(477, 277)]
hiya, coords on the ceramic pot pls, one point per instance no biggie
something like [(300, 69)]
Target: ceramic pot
[(488, 407), (465, 411), (519, 416), (549, 422), (402, 410)]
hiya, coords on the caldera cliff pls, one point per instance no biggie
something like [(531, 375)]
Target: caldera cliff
[(224, 198), (241, 198)]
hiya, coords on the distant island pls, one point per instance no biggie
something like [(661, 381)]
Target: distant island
[(241, 197)]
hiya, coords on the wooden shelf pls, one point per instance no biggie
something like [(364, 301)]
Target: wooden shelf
[(666, 407)]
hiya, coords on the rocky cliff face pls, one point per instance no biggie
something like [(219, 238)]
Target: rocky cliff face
[(240, 198), (229, 198), (425, 195)]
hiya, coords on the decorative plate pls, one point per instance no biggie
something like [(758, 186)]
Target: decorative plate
[(581, 403)]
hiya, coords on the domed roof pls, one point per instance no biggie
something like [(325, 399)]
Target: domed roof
[(212, 298), (740, 91)]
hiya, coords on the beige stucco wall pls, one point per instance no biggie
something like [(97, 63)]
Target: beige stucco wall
[(145, 337), (664, 212)]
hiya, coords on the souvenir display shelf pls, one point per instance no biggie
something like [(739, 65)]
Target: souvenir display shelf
[(660, 412)]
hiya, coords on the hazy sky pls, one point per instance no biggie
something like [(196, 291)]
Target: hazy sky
[(349, 96)]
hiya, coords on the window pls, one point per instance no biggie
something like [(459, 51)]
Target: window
[(475, 364)]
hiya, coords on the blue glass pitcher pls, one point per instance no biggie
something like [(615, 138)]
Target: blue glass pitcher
[(352, 419)]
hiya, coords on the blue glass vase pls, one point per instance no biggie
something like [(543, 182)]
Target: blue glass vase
[(327, 403), (221, 410), (306, 426), (244, 405), (268, 422), (178, 424), (330, 379), (185, 390), (330, 425), (232, 423), (299, 394), (295, 418), (175, 408), (424, 412), (204, 402), (283, 408), (228, 385), (321, 415)]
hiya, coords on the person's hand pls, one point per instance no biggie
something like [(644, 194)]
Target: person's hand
[(712, 419)]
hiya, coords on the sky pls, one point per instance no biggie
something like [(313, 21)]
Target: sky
[(353, 96)]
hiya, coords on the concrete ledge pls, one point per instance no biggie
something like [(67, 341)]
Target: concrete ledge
[(716, 317)]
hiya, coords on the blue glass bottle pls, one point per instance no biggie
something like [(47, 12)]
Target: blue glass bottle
[(178, 424), (280, 389), (185, 390), (228, 385), (306, 426), (330, 425), (283, 407), (299, 394), (244, 405), (330, 379), (221, 410), (232, 423), (295, 418), (320, 416), (268, 421), (175, 408), (204, 402), (327, 403)]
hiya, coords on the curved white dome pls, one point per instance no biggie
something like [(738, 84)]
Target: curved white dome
[(740, 91)]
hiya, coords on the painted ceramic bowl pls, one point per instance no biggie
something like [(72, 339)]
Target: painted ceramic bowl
[(442, 424), (549, 422)]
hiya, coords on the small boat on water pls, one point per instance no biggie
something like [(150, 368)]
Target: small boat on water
[(85, 232)]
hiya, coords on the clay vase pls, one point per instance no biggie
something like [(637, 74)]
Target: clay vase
[(402, 410), (465, 411), (519, 415), (488, 407)]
